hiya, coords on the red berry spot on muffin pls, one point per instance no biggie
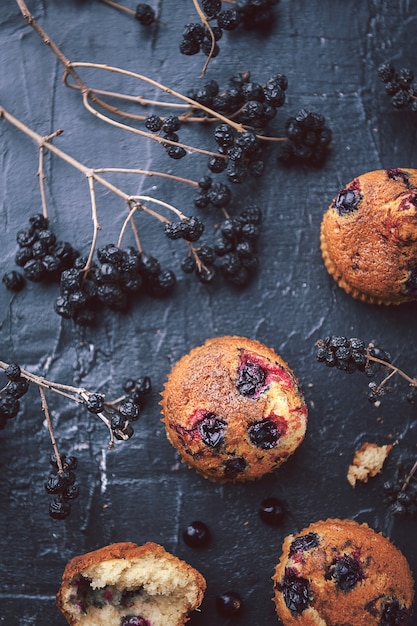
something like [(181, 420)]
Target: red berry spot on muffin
[(255, 374)]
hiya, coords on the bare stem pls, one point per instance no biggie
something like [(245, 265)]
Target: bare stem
[(193, 103), (96, 224), (138, 170), (206, 23), (409, 477), (45, 410), (393, 368), (116, 5)]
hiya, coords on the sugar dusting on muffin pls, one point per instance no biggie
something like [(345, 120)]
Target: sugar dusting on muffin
[(233, 409)]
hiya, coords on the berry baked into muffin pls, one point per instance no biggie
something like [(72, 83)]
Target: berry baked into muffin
[(341, 573), (233, 409), (124, 584), (369, 237)]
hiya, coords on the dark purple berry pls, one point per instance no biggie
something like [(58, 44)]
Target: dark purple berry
[(347, 201), (9, 406), (272, 511), (153, 123), (346, 571), (197, 535), (305, 542), (129, 410), (17, 388), (144, 14), (13, 281), (59, 509), (228, 603), (264, 434), (95, 403), (13, 371), (251, 379), (212, 430), (295, 590)]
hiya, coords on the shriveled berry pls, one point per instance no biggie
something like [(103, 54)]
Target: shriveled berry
[(153, 123), (95, 403), (129, 410), (71, 492), (13, 281), (251, 379), (144, 14), (13, 371), (59, 509), (17, 388), (197, 535), (9, 406)]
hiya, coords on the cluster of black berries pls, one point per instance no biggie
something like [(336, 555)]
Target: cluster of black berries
[(145, 14), (351, 355), (308, 139), (400, 86), (400, 493), (251, 14), (127, 411), (62, 485), (189, 229), (11, 393), (118, 276), (240, 154), (39, 254), (168, 128), (251, 103), (233, 253)]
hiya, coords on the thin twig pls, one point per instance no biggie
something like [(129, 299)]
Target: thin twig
[(45, 410)]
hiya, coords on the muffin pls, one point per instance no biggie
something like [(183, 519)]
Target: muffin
[(124, 584), (369, 237), (233, 409), (341, 573)]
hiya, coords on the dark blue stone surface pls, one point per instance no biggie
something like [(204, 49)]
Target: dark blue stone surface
[(140, 492)]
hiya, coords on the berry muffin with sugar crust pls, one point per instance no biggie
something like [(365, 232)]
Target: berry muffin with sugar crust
[(341, 573), (233, 409), (124, 584), (369, 237)]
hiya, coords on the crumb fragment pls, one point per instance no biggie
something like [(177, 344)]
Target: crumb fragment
[(367, 461)]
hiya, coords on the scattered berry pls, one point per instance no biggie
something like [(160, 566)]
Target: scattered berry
[(228, 603), (197, 535), (272, 511), (144, 14), (400, 86)]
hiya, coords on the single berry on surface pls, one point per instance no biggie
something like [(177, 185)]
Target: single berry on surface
[(228, 603), (196, 535), (272, 511)]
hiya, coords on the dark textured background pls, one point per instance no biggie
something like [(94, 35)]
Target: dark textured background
[(330, 51)]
